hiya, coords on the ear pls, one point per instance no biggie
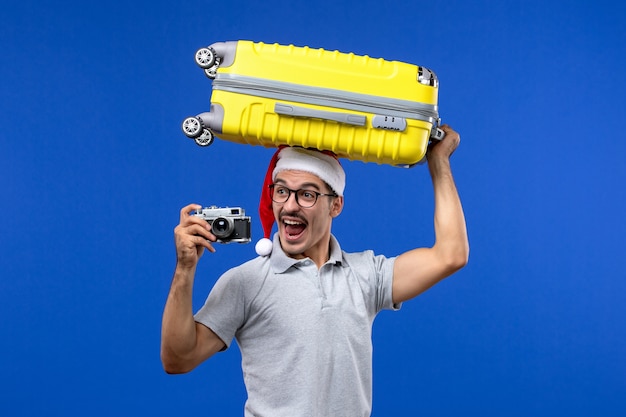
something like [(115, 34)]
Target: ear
[(336, 206)]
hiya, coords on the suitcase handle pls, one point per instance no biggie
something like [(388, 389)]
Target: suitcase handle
[(296, 111), (437, 134)]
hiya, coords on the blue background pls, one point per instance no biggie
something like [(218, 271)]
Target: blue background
[(94, 169)]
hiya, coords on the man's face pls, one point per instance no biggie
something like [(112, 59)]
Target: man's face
[(305, 232)]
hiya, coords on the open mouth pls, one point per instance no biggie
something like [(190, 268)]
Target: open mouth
[(293, 228)]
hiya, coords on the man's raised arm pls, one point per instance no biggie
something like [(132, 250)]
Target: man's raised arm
[(417, 270)]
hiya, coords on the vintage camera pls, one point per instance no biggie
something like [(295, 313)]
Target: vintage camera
[(228, 224)]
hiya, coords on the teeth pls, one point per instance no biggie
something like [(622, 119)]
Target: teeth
[(291, 222)]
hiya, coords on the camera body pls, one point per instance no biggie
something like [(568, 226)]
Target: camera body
[(228, 224)]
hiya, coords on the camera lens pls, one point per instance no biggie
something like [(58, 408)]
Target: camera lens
[(222, 227)]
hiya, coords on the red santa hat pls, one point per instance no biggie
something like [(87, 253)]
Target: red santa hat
[(323, 164)]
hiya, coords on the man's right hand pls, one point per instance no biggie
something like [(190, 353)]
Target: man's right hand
[(192, 236)]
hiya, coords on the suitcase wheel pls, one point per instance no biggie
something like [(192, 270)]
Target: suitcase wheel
[(211, 72), (205, 139), (192, 127), (205, 57)]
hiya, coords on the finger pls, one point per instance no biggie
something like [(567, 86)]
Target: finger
[(186, 244), (194, 220), (185, 212), (191, 250), (448, 130), (201, 242), (196, 230), (204, 233), (209, 247)]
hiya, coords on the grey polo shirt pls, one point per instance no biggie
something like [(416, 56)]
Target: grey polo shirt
[(304, 333)]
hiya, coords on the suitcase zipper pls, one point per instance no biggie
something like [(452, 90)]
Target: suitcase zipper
[(279, 90)]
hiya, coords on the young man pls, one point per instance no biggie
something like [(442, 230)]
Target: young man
[(302, 313)]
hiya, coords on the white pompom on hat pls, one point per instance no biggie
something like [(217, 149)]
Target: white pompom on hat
[(323, 164)]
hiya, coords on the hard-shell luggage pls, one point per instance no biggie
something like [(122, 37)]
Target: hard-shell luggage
[(361, 108)]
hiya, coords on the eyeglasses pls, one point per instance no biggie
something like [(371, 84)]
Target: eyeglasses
[(304, 198)]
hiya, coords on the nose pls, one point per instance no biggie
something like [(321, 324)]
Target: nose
[(291, 204)]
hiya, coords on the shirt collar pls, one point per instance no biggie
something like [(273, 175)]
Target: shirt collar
[(280, 262)]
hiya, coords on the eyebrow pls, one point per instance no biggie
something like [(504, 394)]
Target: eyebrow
[(302, 186)]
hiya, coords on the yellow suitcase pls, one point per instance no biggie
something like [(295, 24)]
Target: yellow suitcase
[(361, 108)]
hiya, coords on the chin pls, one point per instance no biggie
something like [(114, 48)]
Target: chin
[(292, 249)]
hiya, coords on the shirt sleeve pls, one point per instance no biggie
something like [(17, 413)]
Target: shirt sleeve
[(377, 272), (224, 309), (383, 268)]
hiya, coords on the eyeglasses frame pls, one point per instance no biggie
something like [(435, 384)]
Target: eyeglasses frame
[(295, 192)]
